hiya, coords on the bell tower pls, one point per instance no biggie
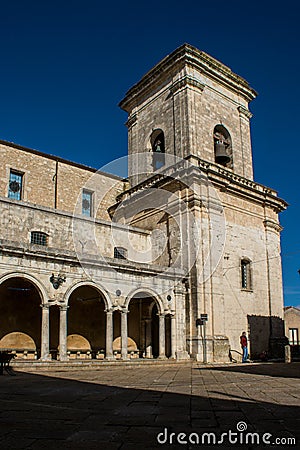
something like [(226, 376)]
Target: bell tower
[(189, 104)]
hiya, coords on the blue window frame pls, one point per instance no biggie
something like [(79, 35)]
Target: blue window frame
[(87, 203), (15, 185)]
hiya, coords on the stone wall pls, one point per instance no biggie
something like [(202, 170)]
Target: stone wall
[(55, 183)]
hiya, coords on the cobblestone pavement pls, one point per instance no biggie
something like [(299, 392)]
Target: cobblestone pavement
[(126, 407)]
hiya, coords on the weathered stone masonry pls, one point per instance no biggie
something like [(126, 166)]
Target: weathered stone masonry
[(116, 271)]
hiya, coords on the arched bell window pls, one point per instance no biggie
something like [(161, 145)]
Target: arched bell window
[(222, 146), (158, 149)]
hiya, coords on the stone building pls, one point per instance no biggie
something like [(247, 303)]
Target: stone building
[(173, 262), (292, 328)]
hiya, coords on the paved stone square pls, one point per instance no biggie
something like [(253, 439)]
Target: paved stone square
[(127, 406)]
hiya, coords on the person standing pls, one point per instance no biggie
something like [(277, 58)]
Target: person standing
[(244, 345)]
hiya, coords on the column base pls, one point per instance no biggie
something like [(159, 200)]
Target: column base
[(46, 358), (199, 357), (63, 358), (182, 355), (109, 358), (216, 348), (162, 357)]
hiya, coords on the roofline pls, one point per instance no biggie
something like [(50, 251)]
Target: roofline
[(288, 308), (59, 159), (188, 54)]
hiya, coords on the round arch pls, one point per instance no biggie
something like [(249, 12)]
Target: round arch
[(222, 145), (21, 298), (37, 284), (146, 292), (99, 288)]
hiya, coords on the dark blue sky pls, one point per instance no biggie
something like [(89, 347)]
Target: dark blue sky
[(65, 66)]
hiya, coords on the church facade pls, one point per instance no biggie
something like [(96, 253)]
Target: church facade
[(173, 262)]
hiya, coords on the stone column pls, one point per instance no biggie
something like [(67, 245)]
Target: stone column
[(181, 292), (148, 338), (124, 335), (109, 334), (173, 336), (162, 337), (63, 333), (45, 354)]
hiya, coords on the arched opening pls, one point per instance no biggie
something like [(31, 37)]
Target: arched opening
[(21, 317), (157, 140), (86, 324), (222, 146), (143, 327)]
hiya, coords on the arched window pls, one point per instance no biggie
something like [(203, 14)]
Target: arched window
[(158, 149), (222, 146), (120, 253), (246, 276), (39, 238)]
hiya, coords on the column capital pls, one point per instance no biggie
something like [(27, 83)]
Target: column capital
[(109, 310), (63, 307), (45, 306)]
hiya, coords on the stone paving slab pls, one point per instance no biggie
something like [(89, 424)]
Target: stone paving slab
[(115, 407)]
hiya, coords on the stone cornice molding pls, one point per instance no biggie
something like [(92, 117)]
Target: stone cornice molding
[(271, 225), (65, 214), (244, 112), (10, 248), (132, 120), (230, 181), (186, 81), (184, 56), (225, 179)]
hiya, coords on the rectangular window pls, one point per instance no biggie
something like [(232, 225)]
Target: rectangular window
[(246, 274), (39, 238), (15, 185), (120, 253), (293, 336), (87, 203)]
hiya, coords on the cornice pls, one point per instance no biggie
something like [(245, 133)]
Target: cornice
[(185, 81), (273, 226), (65, 257), (186, 55), (244, 112), (75, 218), (58, 159), (132, 120), (223, 178)]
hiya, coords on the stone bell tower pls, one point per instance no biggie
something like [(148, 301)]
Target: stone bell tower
[(189, 104)]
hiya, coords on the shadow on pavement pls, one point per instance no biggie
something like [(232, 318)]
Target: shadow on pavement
[(291, 370), (55, 412)]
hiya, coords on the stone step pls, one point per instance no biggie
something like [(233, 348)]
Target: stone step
[(86, 364)]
